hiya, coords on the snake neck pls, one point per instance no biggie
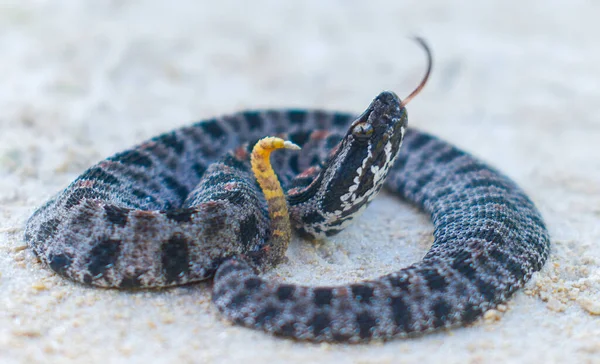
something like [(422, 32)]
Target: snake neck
[(281, 231)]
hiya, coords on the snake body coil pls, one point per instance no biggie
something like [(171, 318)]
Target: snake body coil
[(184, 206)]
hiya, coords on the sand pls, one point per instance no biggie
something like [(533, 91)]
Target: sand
[(515, 83)]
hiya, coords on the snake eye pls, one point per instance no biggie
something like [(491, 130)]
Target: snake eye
[(362, 130)]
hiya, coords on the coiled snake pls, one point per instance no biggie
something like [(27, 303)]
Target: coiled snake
[(185, 206)]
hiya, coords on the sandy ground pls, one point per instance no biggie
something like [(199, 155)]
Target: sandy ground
[(515, 82)]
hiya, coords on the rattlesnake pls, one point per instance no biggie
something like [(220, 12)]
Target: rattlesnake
[(184, 206)]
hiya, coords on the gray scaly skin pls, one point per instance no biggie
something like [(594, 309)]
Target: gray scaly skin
[(489, 240), (169, 211), (184, 206)]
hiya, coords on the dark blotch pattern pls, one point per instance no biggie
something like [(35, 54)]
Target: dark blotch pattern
[(313, 218), (449, 156), (361, 292), (183, 215), (116, 215), (470, 313), (435, 281), (333, 140), (399, 283), (268, 314), (254, 120), (103, 256), (293, 163), (236, 163), (423, 181), (323, 296), (287, 329), (341, 120), (180, 190), (487, 289), (134, 158), (488, 183), (47, 230), (175, 258), (212, 128), (297, 116), (365, 323), (464, 267), (239, 300), (199, 169), (248, 230), (319, 323), (130, 282), (469, 168), (101, 175), (252, 284), (300, 138), (285, 292), (171, 141), (59, 263), (441, 310), (401, 314)]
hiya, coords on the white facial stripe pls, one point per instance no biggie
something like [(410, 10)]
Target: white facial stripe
[(350, 199), (350, 195), (379, 173)]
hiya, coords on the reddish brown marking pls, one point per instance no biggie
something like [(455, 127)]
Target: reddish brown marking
[(148, 145), (309, 172), (320, 134), (230, 186), (109, 165), (86, 183), (142, 214), (294, 190), (341, 291), (334, 150), (241, 153)]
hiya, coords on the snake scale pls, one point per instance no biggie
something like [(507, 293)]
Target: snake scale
[(185, 206)]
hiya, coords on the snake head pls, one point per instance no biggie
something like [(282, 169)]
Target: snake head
[(367, 152), (355, 172), (384, 118)]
